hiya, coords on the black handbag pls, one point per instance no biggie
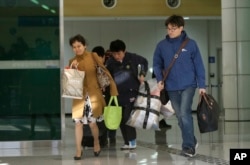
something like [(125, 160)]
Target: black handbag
[(207, 113), (164, 94)]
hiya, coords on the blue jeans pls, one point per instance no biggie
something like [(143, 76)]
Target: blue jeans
[(181, 101)]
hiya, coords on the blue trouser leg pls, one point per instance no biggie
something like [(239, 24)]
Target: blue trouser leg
[(182, 103)]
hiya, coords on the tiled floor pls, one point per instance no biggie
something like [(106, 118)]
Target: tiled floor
[(151, 150)]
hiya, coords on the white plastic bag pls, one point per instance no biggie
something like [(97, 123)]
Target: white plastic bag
[(167, 110)]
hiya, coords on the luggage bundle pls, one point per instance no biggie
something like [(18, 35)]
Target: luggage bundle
[(146, 109)]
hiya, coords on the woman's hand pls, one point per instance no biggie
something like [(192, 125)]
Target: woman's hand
[(74, 64)]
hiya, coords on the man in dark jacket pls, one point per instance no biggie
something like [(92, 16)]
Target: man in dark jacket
[(128, 70)]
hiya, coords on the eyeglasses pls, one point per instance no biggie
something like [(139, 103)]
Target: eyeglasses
[(172, 29)]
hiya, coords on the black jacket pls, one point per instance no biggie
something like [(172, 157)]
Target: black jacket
[(126, 73)]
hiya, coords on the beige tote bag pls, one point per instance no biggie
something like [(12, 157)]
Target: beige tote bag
[(72, 83)]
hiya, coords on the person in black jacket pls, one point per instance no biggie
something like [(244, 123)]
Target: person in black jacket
[(128, 71)]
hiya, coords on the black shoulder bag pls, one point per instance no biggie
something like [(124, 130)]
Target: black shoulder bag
[(164, 94)]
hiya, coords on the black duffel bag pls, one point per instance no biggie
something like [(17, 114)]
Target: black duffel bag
[(207, 113)]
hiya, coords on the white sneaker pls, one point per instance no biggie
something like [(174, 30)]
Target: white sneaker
[(125, 147), (196, 145), (132, 144), (189, 151)]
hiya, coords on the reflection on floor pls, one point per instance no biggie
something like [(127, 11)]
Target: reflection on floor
[(32, 127), (153, 148)]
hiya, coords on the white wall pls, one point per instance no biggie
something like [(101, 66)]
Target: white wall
[(141, 37)]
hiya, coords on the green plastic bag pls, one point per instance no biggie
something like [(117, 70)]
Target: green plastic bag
[(112, 114)]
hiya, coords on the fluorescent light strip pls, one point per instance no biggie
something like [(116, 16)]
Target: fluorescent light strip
[(52, 11), (34, 1), (45, 7)]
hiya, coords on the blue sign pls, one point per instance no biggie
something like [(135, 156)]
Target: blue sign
[(211, 59)]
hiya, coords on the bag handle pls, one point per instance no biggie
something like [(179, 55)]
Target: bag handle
[(148, 105), (166, 72), (71, 66), (206, 99), (115, 99)]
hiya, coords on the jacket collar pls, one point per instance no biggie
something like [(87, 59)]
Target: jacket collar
[(177, 39)]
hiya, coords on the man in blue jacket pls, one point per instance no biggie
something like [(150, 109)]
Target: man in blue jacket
[(123, 66), (187, 74)]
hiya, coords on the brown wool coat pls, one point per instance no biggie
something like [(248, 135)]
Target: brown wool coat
[(87, 63)]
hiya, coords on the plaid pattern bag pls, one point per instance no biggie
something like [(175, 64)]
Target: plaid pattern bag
[(102, 77)]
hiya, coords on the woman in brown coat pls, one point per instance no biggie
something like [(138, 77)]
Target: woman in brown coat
[(89, 109)]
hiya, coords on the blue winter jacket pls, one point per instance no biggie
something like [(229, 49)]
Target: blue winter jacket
[(187, 71)]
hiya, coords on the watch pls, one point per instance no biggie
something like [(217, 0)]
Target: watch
[(109, 3), (173, 4)]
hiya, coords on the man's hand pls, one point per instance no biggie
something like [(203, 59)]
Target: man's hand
[(160, 85), (202, 90), (141, 78)]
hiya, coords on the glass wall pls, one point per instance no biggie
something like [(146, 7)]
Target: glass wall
[(30, 107)]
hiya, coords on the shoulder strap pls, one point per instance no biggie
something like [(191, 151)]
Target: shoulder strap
[(165, 73)]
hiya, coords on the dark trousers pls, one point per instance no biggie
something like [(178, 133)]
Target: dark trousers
[(128, 132), (111, 134)]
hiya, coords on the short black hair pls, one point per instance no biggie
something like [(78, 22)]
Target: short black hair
[(117, 45), (78, 38), (99, 50), (175, 20)]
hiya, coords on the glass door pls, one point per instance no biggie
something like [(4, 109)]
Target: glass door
[(30, 102)]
